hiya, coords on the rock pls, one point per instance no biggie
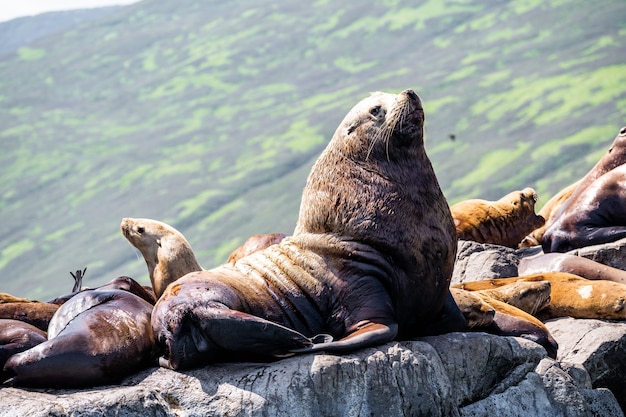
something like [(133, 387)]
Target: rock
[(612, 254), (457, 374), (479, 261), (599, 346)]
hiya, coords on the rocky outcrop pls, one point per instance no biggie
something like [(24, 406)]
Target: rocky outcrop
[(457, 374)]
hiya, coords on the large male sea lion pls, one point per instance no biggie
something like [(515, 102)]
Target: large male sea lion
[(96, 337), (370, 259), (503, 222), (167, 253), (596, 211)]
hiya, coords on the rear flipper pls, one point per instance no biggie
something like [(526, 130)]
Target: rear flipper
[(367, 334)]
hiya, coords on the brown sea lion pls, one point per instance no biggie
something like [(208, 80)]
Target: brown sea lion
[(370, 259), (167, 253), (504, 222), (478, 314), (577, 265), (97, 337), (254, 244), (36, 313), (17, 336), (596, 211), (511, 321), (8, 298), (549, 211), (528, 296)]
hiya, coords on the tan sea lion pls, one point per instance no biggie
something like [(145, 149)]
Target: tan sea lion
[(595, 212), (8, 298), (528, 296), (477, 312), (570, 295), (97, 337), (370, 259), (504, 222), (577, 265), (254, 244), (167, 253)]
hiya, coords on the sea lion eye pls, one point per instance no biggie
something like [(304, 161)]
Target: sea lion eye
[(375, 111), (140, 229)]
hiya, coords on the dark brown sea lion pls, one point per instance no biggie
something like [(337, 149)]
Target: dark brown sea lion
[(504, 222), (549, 211), (596, 211), (167, 253), (254, 244), (97, 337), (17, 336), (370, 259)]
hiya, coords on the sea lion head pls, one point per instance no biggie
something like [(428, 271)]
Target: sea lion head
[(167, 253)]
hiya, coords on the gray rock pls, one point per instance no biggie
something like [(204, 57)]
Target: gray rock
[(599, 346), (612, 254), (458, 374)]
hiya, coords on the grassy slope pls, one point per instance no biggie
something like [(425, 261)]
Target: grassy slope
[(208, 115)]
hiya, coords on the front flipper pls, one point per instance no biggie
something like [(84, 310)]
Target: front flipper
[(218, 330), (367, 334)]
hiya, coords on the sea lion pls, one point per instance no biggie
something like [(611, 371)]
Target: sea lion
[(478, 314), (503, 222), (97, 337), (577, 265), (595, 212), (8, 298), (36, 313), (511, 321), (528, 296), (570, 295), (17, 336), (370, 259), (254, 244), (549, 211), (167, 253)]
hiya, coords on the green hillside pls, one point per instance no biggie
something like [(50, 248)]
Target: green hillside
[(208, 115)]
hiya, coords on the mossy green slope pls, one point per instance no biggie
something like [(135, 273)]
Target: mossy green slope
[(208, 115)]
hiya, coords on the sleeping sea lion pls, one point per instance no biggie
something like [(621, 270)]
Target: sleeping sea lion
[(504, 222), (577, 265), (17, 336), (596, 211), (96, 337), (370, 259), (167, 253)]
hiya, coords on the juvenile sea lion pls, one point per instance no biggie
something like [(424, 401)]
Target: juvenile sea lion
[(36, 313), (254, 244), (596, 210), (97, 337), (370, 259), (504, 222), (17, 336), (167, 253), (570, 295), (577, 265), (476, 311)]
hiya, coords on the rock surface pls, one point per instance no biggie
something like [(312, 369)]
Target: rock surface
[(458, 374)]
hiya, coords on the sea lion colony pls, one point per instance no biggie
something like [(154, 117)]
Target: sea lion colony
[(370, 261)]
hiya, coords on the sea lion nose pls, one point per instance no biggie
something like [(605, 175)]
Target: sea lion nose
[(411, 94)]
